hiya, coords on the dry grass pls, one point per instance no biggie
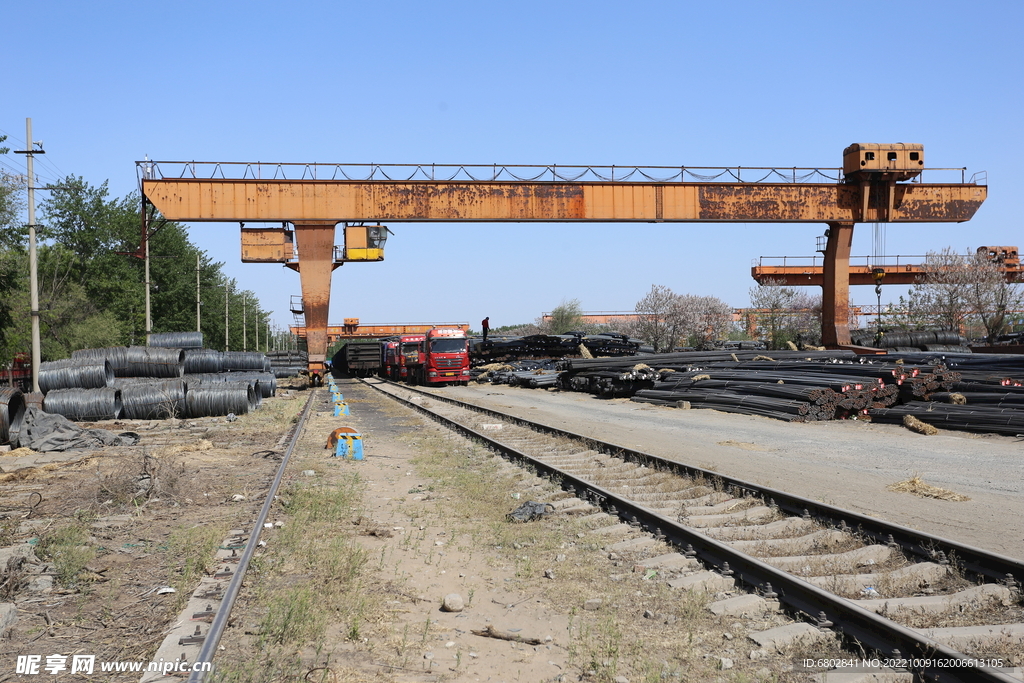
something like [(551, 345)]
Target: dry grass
[(916, 487), (915, 425)]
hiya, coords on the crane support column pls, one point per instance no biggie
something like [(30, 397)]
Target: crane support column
[(315, 242), (835, 286)]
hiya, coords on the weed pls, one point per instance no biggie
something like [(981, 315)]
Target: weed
[(67, 548)]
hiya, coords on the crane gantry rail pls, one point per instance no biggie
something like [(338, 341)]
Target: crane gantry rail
[(315, 204)]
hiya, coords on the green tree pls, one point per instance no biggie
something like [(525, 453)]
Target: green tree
[(566, 317)]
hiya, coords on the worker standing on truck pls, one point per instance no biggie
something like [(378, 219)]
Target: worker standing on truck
[(486, 325)]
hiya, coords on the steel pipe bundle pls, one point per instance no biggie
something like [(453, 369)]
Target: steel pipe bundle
[(175, 340), (244, 360), (84, 405), (220, 398), (152, 399), (203, 360), (12, 411), (75, 373)]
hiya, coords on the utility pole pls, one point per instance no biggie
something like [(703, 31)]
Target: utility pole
[(33, 266), (245, 343), (227, 286), (199, 301)]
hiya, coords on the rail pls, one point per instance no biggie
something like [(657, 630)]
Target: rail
[(859, 625), (220, 621), (237, 170), (892, 262)]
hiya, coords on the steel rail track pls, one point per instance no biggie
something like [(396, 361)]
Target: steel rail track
[(861, 628), (220, 620)]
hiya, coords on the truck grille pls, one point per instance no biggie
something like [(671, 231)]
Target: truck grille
[(449, 362)]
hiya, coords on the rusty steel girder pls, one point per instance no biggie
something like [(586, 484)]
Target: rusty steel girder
[(316, 206)]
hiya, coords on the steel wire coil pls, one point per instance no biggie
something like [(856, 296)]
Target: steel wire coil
[(175, 340), (262, 383), (143, 361), (144, 399), (220, 398), (74, 373), (84, 405), (283, 372), (117, 356), (267, 380), (244, 360), (203, 360), (12, 412)]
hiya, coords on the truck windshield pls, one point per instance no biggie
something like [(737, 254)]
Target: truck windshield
[(447, 345)]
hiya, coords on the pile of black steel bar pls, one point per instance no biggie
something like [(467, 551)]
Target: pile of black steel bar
[(1008, 421), (498, 348)]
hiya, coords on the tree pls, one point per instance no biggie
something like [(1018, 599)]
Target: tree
[(957, 289), (702, 319), (566, 317), (772, 303), (657, 318)]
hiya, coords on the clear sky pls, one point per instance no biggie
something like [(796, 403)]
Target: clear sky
[(747, 83)]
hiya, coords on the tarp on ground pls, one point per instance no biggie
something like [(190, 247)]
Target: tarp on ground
[(45, 432)]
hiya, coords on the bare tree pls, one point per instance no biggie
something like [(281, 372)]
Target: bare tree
[(990, 295), (657, 318), (772, 303)]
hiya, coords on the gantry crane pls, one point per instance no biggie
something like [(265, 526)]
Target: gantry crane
[(873, 187)]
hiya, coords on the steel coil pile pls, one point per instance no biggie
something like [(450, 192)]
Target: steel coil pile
[(265, 382), (244, 360), (152, 399), (220, 398), (203, 360), (84, 405), (81, 373), (117, 356), (175, 340), (287, 363), (12, 411), (138, 361)]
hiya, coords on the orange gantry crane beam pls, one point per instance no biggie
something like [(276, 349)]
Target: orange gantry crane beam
[(315, 206)]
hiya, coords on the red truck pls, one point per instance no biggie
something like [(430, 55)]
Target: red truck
[(18, 372), (440, 356)]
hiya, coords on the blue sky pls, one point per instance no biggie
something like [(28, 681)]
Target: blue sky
[(564, 82)]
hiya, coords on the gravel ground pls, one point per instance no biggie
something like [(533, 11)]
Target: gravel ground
[(845, 463)]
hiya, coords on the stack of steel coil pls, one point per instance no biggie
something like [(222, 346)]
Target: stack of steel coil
[(84, 405), (244, 360), (152, 399), (220, 398), (175, 340), (12, 411), (82, 373), (203, 360)]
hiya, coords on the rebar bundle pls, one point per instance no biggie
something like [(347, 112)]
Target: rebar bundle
[(220, 398), (152, 399), (176, 340), (985, 419), (84, 405), (203, 360), (75, 373), (12, 411), (244, 360)]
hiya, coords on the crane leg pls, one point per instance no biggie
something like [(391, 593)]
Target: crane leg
[(835, 287), (315, 242)]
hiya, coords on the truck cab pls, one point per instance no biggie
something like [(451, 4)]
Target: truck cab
[(445, 357)]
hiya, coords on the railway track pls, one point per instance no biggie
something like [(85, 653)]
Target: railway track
[(887, 590)]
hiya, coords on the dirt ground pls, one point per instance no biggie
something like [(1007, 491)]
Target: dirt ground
[(427, 521)]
